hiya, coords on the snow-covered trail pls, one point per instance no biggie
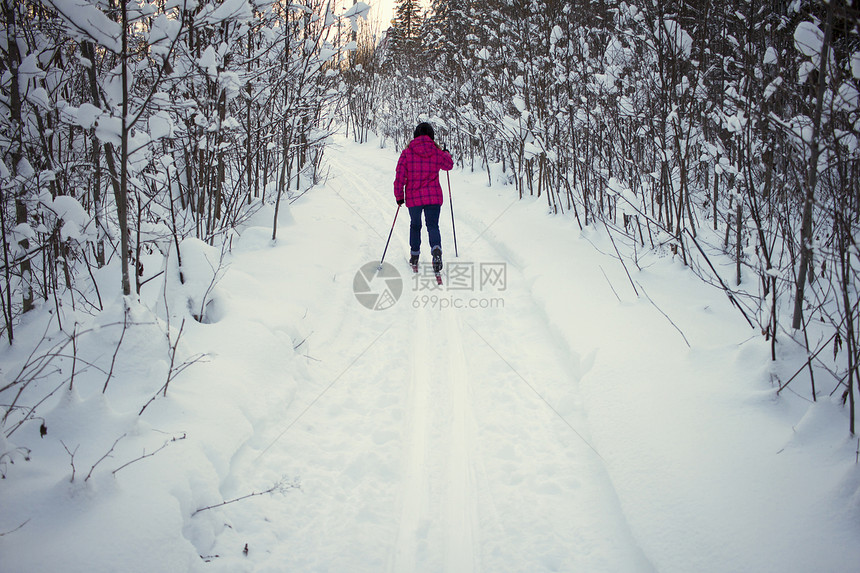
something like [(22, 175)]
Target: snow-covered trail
[(526, 417), (426, 437), (482, 450)]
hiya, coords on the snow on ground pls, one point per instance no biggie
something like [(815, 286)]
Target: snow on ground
[(525, 417)]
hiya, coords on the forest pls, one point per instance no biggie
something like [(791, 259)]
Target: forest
[(705, 131)]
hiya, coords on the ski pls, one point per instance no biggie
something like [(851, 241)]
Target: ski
[(438, 275)]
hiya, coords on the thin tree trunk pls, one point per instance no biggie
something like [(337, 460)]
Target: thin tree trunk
[(88, 52), (814, 152), (122, 197), (16, 152), (739, 239)]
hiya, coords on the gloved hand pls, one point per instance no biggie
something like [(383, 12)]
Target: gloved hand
[(399, 202)]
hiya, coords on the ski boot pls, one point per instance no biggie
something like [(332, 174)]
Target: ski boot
[(437, 263)]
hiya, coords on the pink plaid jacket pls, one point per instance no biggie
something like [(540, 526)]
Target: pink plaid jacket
[(418, 172)]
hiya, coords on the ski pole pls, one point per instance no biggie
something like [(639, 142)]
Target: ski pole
[(450, 202), (389, 238)]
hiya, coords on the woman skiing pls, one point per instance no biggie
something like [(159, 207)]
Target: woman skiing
[(417, 184)]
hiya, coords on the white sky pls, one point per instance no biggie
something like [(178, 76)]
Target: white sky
[(382, 11)]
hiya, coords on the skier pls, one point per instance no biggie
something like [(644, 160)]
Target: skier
[(417, 184)]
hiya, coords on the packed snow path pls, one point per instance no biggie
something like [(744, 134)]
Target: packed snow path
[(526, 421), (438, 438)]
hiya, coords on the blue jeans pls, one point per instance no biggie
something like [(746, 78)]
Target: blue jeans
[(431, 218)]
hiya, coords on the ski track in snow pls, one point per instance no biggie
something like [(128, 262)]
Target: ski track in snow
[(462, 510), (413, 495), (438, 524)]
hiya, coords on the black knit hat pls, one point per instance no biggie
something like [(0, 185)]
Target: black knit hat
[(424, 129)]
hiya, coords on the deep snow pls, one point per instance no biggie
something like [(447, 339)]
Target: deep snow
[(526, 417)]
